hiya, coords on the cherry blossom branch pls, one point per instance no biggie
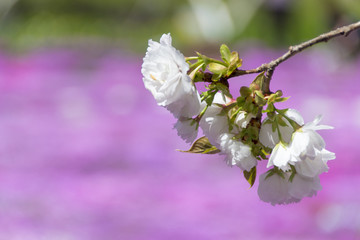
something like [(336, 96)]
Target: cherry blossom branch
[(342, 31)]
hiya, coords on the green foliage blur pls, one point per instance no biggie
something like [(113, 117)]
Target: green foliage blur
[(130, 23)]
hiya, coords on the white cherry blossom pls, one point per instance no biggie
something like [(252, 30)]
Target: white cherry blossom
[(270, 138), (237, 153), (212, 123), (305, 141), (165, 75)]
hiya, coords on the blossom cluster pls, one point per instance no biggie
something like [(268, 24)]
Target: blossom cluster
[(235, 127)]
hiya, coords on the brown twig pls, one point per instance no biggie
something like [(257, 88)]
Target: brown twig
[(342, 31)]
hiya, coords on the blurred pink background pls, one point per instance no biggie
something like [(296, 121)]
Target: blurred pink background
[(87, 154)]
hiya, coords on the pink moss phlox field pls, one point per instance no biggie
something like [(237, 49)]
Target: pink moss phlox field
[(86, 153)]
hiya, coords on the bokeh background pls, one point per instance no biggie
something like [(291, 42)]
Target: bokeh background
[(85, 152)]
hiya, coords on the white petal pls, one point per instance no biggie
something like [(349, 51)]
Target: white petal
[(299, 143), (186, 129), (274, 189), (311, 167), (301, 187), (267, 137), (280, 157), (327, 155), (295, 115)]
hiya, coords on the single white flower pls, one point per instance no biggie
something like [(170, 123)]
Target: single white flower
[(270, 138), (213, 124), (237, 153), (305, 141), (276, 189), (186, 129), (308, 146), (165, 75)]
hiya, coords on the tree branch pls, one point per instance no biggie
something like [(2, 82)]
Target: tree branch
[(342, 31)]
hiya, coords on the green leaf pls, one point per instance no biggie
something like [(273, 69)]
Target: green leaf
[(258, 82), (245, 91), (217, 68), (235, 62), (240, 101), (250, 176), (270, 107), (259, 98), (203, 146), (279, 93), (225, 53), (224, 89), (281, 99), (199, 76)]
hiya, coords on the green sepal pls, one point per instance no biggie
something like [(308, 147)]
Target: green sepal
[(268, 121), (227, 108), (225, 53), (250, 176), (208, 96), (274, 126), (282, 111), (273, 171), (281, 121), (271, 116), (203, 146), (293, 172)]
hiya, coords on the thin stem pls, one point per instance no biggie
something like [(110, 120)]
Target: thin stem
[(191, 58), (342, 31)]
